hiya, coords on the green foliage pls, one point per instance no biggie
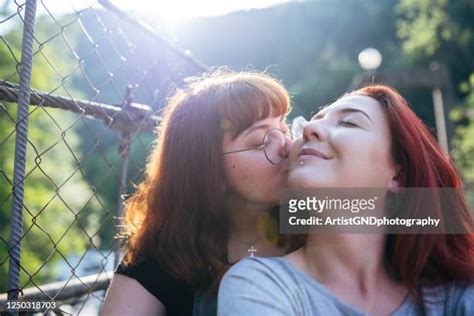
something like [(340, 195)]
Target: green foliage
[(55, 194), (464, 140), (424, 24), (444, 31)]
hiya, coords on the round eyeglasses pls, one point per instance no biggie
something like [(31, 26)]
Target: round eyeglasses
[(274, 145), (297, 127)]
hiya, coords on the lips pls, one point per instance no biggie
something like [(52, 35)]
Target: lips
[(312, 152)]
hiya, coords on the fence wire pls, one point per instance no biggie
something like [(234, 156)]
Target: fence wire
[(80, 94)]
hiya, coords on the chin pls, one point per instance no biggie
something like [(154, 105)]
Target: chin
[(300, 182)]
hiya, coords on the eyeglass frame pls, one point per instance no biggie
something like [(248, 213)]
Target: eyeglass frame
[(261, 146)]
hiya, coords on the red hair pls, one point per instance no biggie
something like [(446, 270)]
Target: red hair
[(424, 258), (176, 215)]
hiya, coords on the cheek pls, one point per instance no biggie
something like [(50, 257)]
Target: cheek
[(300, 177), (252, 175), (367, 158), (295, 149), (358, 150)]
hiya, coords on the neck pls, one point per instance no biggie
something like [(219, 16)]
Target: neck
[(244, 216), (338, 259), (249, 227)]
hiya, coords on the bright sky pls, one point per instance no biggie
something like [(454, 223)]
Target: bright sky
[(172, 9), (170, 13), (173, 12), (193, 8)]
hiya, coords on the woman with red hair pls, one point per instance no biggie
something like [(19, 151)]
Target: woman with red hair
[(369, 138), (208, 197)]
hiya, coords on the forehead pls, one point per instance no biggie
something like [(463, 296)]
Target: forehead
[(360, 102), (269, 120), (260, 125)]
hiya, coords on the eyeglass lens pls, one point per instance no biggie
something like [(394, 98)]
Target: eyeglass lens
[(275, 146)]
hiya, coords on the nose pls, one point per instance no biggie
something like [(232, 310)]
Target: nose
[(314, 130)]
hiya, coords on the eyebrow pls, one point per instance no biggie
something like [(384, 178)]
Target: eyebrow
[(262, 126), (346, 110), (253, 129)]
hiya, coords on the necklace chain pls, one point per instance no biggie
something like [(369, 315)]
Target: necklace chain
[(252, 250), (246, 242)]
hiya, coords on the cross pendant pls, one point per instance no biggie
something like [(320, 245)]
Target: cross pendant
[(252, 250)]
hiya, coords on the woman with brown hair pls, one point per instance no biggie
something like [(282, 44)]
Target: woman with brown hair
[(369, 138), (208, 198)]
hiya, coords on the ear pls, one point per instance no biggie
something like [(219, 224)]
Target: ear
[(394, 184)]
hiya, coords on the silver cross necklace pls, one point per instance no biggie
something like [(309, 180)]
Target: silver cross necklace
[(252, 250)]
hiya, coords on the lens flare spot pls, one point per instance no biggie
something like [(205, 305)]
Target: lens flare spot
[(225, 124)]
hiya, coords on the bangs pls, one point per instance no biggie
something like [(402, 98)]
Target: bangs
[(252, 99)]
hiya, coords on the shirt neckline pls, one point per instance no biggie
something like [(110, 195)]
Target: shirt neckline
[(400, 309)]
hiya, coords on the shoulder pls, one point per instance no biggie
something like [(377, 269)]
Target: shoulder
[(126, 296), (148, 272), (257, 286), (461, 298), (457, 298), (139, 268), (262, 270), (154, 278), (260, 265)]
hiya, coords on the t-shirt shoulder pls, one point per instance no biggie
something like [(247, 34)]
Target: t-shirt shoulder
[(457, 298), (272, 270), (464, 305), (256, 286), (154, 278)]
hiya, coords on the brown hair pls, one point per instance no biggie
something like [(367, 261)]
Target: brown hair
[(176, 215), (424, 259)]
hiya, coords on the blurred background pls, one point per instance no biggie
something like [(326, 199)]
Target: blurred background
[(102, 70)]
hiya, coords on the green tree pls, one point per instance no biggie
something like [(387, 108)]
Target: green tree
[(443, 30)]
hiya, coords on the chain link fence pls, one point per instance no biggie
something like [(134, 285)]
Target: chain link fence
[(82, 85)]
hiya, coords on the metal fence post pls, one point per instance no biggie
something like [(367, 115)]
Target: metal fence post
[(124, 150), (129, 120), (20, 152)]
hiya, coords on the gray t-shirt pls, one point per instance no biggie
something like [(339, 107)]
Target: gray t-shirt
[(273, 286)]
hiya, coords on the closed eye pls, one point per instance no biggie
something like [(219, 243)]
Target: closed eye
[(348, 123)]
